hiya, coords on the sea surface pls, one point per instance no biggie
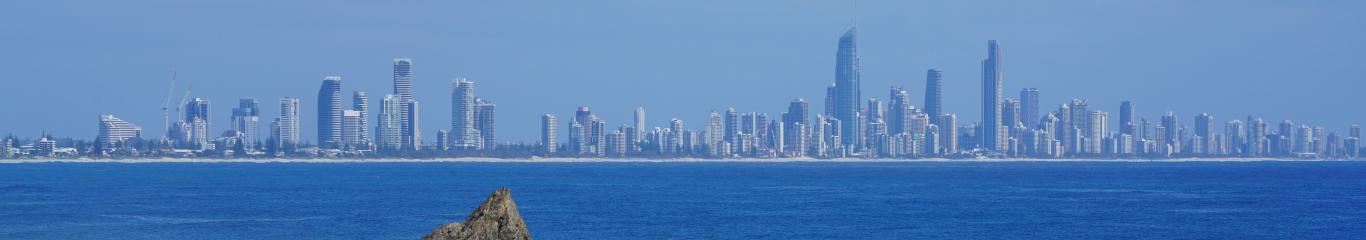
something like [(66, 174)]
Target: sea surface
[(976, 200)]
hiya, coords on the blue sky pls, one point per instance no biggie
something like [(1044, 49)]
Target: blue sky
[(66, 62)]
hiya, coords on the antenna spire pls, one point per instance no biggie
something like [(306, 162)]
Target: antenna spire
[(856, 14)]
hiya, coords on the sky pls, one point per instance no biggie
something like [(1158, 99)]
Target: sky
[(66, 62)]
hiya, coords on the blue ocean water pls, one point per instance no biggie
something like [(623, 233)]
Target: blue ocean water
[(1260, 200)]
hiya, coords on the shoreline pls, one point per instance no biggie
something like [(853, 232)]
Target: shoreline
[(648, 160)]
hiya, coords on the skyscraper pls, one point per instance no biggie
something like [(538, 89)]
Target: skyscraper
[(403, 88), (576, 141), (114, 132), (412, 140), (360, 103), (1204, 129), (443, 140), (933, 95), (329, 112), (1126, 118), (1029, 107), (948, 133), (830, 100), (484, 122), (389, 132), (898, 110), (795, 126), (351, 137), (733, 127), (715, 134), (1077, 125), (245, 119), (403, 79), (197, 117), (462, 115), (197, 108), (993, 133), (549, 141), (1171, 134), (847, 90), (639, 132), (1010, 113), (289, 124), (1095, 131), (675, 143)]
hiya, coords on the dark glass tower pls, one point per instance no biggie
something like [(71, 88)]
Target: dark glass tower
[(934, 94), (1029, 107), (1126, 118), (993, 135), (329, 112)]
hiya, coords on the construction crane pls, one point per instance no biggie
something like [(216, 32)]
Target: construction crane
[(166, 108)]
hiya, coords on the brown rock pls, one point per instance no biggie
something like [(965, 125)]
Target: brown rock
[(497, 218)]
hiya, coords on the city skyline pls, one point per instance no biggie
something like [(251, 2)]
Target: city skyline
[(875, 130), (430, 81)]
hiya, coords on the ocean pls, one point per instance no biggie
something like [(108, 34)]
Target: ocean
[(943, 200)]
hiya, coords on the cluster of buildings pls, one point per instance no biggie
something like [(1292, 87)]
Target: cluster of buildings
[(850, 126), (896, 128)]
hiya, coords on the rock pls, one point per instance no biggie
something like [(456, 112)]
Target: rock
[(497, 218)]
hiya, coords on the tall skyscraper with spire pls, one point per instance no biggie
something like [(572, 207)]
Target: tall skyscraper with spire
[(330, 112), (934, 94), (847, 90), (993, 133)]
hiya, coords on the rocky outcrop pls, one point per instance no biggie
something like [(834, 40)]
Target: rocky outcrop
[(497, 218)]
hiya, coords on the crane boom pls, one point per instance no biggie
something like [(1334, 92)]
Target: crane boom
[(165, 106)]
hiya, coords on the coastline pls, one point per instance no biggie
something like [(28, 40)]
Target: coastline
[(649, 160)]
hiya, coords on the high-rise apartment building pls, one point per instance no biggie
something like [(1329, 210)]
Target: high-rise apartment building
[(246, 119), (549, 142), (993, 136), (462, 115), (1126, 118), (1204, 130), (898, 110), (847, 85), (1029, 107), (114, 132), (389, 131), (484, 123), (403, 88), (289, 129), (638, 129), (1096, 128), (198, 123), (360, 102), (351, 136), (934, 94), (329, 112), (412, 138)]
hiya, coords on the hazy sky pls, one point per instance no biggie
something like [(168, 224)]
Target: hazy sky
[(66, 62)]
